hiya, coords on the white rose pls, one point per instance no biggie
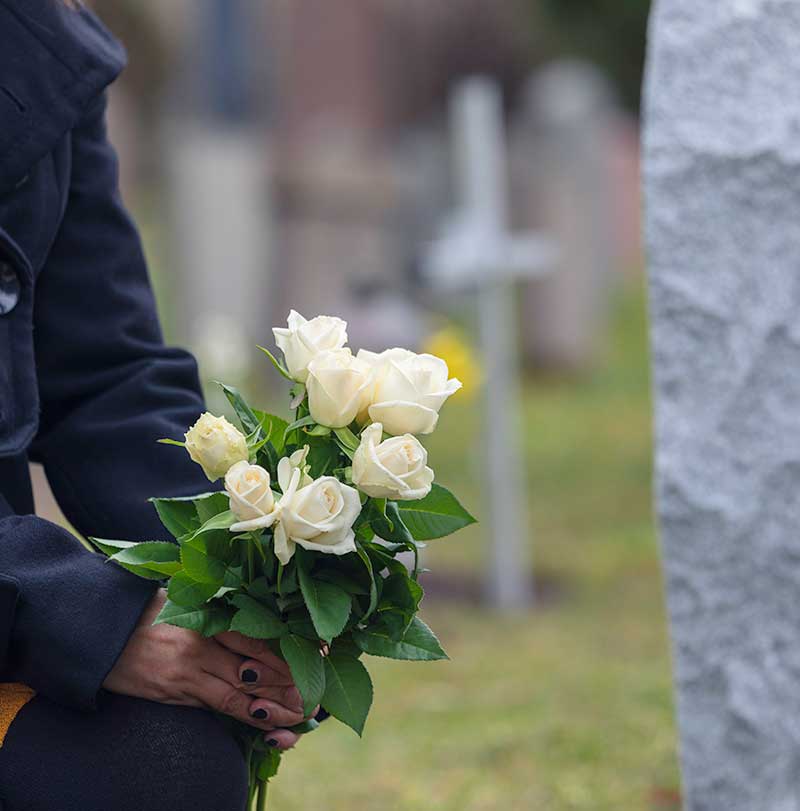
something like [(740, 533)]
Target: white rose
[(215, 445), (395, 468), (304, 340), (407, 390), (319, 516), (251, 498), (337, 387)]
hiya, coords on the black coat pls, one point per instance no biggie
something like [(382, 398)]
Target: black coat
[(86, 383)]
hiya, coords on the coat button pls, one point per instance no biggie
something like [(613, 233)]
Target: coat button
[(9, 288)]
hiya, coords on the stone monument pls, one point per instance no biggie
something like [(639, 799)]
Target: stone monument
[(563, 140), (722, 189)]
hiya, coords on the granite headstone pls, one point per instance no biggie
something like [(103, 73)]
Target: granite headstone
[(722, 197)]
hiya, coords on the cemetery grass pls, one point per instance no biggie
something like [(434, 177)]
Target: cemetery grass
[(568, 708)]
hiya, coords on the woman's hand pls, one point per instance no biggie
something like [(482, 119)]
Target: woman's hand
[(267, 678), (172, 665)]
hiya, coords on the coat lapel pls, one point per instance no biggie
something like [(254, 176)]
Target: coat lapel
[(53, 61)]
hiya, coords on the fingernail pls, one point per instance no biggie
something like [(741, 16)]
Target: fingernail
[(249, 676), (272, 742), (261, 714)]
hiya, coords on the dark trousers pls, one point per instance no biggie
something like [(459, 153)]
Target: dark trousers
[(131, 755)]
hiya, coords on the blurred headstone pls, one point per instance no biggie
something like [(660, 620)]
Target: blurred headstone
[(221, 221), (337, 187), (220, 199), (382, 317), (478, 252), (563, 182), (338, 237), (722, 184)]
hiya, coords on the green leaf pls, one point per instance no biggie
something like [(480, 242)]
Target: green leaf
[(323, 456), (344, 644), (152, 559), (419, 643), (276, 363), (222, 520), (436, 515), (341, 579), (308, 672), (261, 589), (110, 547), (364, 532), (381, 558), (347, 438), (178, 515), (301, 423), (256, 620), (272, 427), (207, 620), (206, 558), (395, 622), (400, 591), (389, 525), (246, 415), (292, 601), (233, 575), (328, 604), (186, 592), (268, 764), (301, 625), (348, 690), (210, 504)]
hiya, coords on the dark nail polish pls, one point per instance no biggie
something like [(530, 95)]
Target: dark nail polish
[(260, 714), (249, 676), (272, 742)]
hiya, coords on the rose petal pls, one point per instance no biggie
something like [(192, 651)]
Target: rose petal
[(262, 522), (404, 417), (284, 547), (346, 545)]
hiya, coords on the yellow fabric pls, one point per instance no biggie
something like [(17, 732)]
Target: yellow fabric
[(13, 697)]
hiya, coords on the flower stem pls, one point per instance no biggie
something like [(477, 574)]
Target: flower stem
[(261, 805), (253, 784), (250, 566)]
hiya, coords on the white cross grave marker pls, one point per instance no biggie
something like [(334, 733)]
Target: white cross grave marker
[(477, 251)]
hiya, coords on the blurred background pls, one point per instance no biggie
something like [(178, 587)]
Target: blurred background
[(337, 158)]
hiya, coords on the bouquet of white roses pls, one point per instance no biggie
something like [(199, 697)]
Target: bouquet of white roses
[(300, 549)]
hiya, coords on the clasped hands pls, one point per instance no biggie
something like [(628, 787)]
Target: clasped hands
[(230, 673)]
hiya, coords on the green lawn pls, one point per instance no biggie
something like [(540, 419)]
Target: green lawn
[(568, 707)]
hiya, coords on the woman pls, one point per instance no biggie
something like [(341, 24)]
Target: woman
[(99, 710)]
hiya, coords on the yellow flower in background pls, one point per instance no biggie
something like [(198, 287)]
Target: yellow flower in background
[(452, 346)]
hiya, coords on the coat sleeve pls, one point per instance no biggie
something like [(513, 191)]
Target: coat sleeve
[(109, 389)]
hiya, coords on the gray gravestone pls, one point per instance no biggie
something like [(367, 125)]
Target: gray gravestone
[(722, 182), (561, 149)]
